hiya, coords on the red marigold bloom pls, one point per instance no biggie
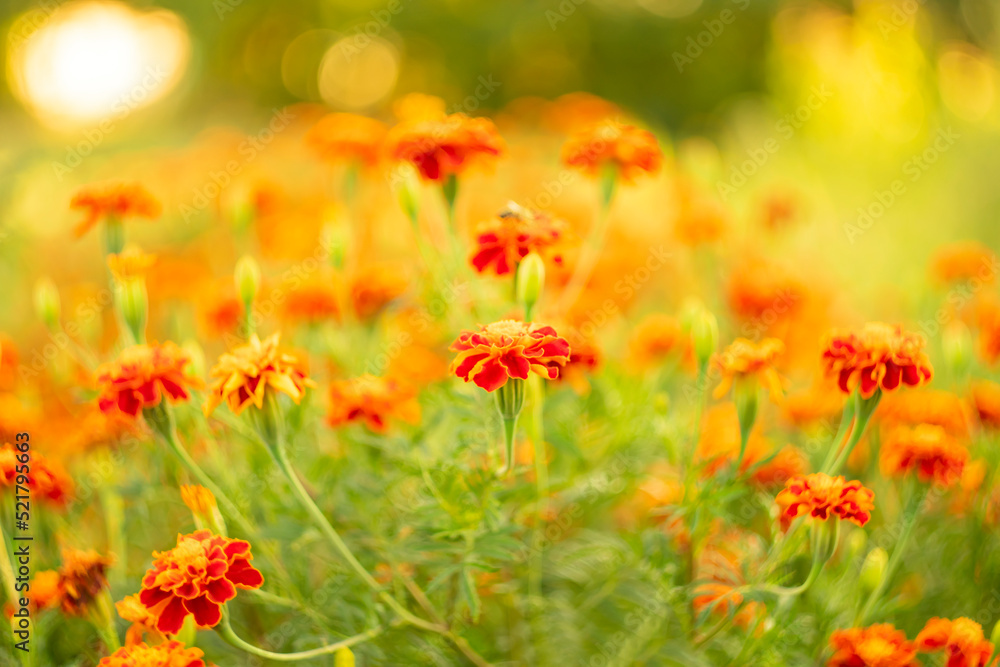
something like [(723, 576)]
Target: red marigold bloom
[(879, 356), (141, 376), (501, 243), (626, 147), (113, 201), (196, 577), (747, 359), (762, 290), (508, 349), (46, 480), (373, 400), (880, 645), (347, 136), (986, 398), (962, 639), (443, 146), (925, 406), (964, 260), (926, 449), (242, 377), (167, 654), (313, 301), (821, 496)]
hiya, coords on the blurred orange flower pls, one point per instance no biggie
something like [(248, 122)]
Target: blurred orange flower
[(143, 621), (347, 136), (508, 349), (925, 406), (627, 148), (502, 242), (879, 356), (130, 264), (744, 359), (656, 336), (963, 261), (113, 201), (198, 499), (374, 287), (926, 449), (821, 496), (140, 376), (584, 359), (443, 146), (243, 376), (719, 444), (880, 645), (82, 577), (312, 301), (196, 577), (986, 398), (46, 479), (697, 217), (962, 639), (373, 400), (724, 560), (167, 654), (763, 291)]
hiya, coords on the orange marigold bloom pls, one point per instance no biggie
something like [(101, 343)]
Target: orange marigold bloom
[(198, 499), (242, 377), (443, 146), (962, 261), (373, 400), (820, 496), (584, 359), (656, 336), (141, 376), (131, 609), (880, 645), (46, 479), (347, 136), (879, 356), (130, 264), (508, 349), (698, 218), (167, 654), (626, 147), (196, 577), (986, 398), (501, 243), (313, 301), (82, 577), (926, 406), (746, 359), (44, 591), (763, 292), (374, 287), (113, 201), (926, 449), (962, 639), (719, 444), (722, 564)]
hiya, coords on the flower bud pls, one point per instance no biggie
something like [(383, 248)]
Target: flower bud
[(530, 280), (995, 635), (957, 344), (134, 306), (704, 336), (343, 658), (47, 303), (204, 507), (247, 276), (873, 570), (336, 239), (510, 400), (745, 395)]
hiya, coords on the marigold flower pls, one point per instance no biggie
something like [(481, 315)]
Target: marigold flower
[(501, 243), (242, 377), (926, 449), (761, 292), (130, 264), (117, 201), (746, 359), (631, 150), (508, 349), (880, 645), (584, 359), (722, 564), (82, 577), (374, 287), (986, 398), (444, 146), (198, 499), (167, 654), (698, 218), (196, 577), (962, 639), (47, 481), (44, 591), (962, 261), (821, 496), (313, 301), (578, 111), (655, 337), (347, 136), (140, 378), (131, 609), (373, 400), (719, 444), (925, 406), (879, 356)]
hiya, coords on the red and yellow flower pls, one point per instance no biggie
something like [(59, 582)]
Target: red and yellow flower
[(372, 400), (74, 586), (879, 356), (47, 481), (926, 449), (439, 147), (744, 359), (167, 654), (113, 201), (508, 349), (141, 377), (347, 136), (821, 496), (880, 645), (630, 150), (143, 621), (197, 577), (242, 377), (986, 399), (502, 242), (961, 639)]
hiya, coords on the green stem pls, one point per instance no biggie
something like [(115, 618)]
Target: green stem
[(509, 428), (589, 255), (225, 631), (909, 522), (863, 412)]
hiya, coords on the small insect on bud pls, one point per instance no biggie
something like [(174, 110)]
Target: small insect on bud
[(873, 569), (47, 303), (530, 281), (247, 277), (704, 336)]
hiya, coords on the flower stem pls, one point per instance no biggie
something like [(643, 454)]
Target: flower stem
[(225, 631), (863, 412), (589, 256)]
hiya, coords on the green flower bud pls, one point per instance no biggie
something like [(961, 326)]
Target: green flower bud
[(247, 277), (956, 340), (873, 570), (336, 239), (704, 336), (530, 281), (995, 635), (510, 400), (47, 304), (134, 306), (745, 395)]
